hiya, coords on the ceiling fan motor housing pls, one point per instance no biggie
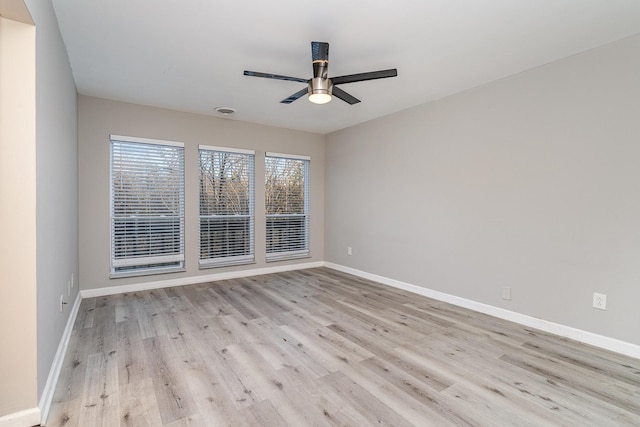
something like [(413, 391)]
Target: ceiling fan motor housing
[(320, 85)]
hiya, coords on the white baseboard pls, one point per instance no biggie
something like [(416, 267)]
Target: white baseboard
[(49, 388), (590, 338), (28, 417), (112, 290)]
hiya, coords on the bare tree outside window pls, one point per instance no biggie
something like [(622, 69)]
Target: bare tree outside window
[(226, 207), (147, 209), (287, 207)]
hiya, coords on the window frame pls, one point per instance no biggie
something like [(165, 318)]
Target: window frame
[(154, 263), (214, 262), (300, 253)]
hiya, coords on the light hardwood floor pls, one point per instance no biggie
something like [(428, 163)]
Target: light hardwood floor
[(322, 348)]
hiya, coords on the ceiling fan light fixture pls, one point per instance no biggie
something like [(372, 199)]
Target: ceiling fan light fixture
[(320, 90), (319, 98)]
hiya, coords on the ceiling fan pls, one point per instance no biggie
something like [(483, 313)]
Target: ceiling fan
[(320, 87)]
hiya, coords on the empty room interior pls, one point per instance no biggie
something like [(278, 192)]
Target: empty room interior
[(293, 213)]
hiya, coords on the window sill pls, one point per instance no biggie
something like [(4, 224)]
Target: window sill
[(287, 257), (207, 264), (146, 272)]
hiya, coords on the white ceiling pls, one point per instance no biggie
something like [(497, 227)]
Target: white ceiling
[(189, 55)]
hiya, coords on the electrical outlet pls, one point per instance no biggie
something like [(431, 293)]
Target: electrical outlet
[(599, 301), (62, 303), (506, 293), (349, 251), (71, 280)]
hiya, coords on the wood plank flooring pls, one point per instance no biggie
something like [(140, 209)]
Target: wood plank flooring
[(322, 348)]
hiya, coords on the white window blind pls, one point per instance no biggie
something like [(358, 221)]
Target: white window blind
[(226, 206), (147, 206), (287, 206)]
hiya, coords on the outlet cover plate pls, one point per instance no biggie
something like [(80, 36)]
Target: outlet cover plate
[(599, 301)]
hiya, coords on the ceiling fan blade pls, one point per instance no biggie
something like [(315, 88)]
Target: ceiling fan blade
[(295, 96), (349, 99), (372, 75), (320, 51), (274, 76)]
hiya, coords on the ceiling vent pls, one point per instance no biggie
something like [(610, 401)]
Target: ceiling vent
[(225, 111)]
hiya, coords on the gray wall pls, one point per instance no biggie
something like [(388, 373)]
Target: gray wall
[(98, 118), (531, 182), (56, 184)]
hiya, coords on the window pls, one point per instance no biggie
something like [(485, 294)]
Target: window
[(287, 206), (147, 206), (226, 206)]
